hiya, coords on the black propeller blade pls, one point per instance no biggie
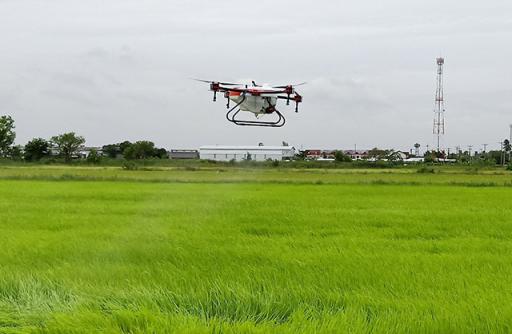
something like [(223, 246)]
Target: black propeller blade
[(220, 83), (299, 84)]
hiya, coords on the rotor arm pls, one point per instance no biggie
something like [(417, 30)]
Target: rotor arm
[(296, 98)]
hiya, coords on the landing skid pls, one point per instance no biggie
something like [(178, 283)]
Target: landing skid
[(231, 116)]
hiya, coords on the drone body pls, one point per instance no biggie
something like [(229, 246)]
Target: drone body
[(256, 99)]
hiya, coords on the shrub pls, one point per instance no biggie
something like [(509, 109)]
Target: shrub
[(426, 170), (94, 157), (130, 165)]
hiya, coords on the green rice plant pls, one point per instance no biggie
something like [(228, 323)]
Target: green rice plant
[(239, 252)]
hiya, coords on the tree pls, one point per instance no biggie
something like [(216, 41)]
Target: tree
[(68, 144), (36, 149), (93, 157), (507, 147), (16, 152), (112, 150), (7, 135), (495, 156), (429, 156), (115, 150), (140, 150), (340, 156), (161, 153), (378, 154)]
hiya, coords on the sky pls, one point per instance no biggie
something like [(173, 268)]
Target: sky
[(121, 70)]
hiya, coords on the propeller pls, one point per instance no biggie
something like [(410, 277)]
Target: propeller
[(220, 83), (299, 84), (289, 90), (215, 86)]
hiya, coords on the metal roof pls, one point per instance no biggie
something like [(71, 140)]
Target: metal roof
[(225, 147)]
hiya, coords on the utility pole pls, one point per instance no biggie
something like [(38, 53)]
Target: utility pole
[(510, 142), (502, 151), (470, 147), (485, 147)]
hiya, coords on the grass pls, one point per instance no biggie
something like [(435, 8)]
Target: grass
[(408, 176), (238, 252)]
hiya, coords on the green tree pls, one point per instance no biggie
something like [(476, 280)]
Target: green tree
[(112, 150), (507, 147), (16, 152), (161, 153), (94, 157), (7, 135), (68, 144), (340, 156), (378, 154), (140, 150), (36, 149), (429, 156), (115, 150)]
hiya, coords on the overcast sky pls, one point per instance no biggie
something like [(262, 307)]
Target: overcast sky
[(119, 69)]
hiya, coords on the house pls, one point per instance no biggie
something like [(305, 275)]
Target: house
[(399, 155), (313, 154), (320, 154), (240, 153), (357, 154)]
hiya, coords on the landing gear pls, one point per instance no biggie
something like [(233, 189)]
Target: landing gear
[(231, 116)]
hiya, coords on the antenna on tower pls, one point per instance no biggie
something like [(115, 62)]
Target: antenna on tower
[(439, 110)]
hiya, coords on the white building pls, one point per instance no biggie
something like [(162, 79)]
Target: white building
[(239, 153)]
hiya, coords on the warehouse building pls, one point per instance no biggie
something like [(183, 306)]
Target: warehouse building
[(183, 154), (239, 153)]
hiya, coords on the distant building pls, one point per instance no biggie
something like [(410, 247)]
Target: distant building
[(84, 151), (414, 160), (320, 154), (313, 154), (402, 155), (357, 154), (183, 154), (240, 153)]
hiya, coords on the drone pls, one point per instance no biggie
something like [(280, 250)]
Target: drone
[(260, 100)]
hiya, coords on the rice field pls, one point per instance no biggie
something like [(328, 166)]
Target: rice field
[(102, 250)]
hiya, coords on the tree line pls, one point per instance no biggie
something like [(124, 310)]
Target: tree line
[(68, 146)]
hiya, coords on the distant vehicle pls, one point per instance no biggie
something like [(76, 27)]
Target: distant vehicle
[(258, 99)]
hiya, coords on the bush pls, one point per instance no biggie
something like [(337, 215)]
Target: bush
[(426, 170), (130, 165), (94, 157)]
